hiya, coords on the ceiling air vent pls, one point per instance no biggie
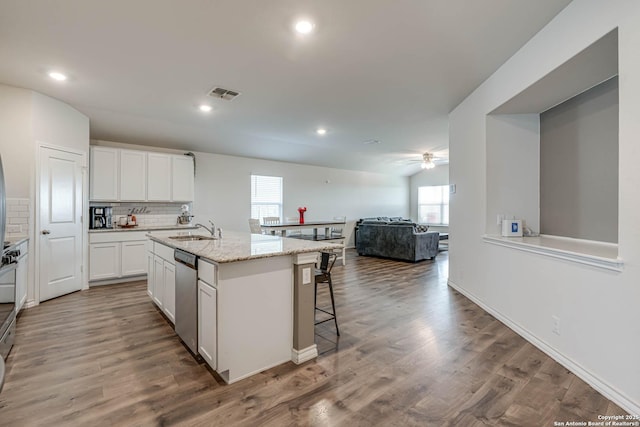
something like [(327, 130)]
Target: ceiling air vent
[(218, 92)]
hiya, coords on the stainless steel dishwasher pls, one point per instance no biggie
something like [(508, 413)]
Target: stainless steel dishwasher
[(187, 298)]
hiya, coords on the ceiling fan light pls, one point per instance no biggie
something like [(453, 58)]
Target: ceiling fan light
[(429, 165), (423, 165)]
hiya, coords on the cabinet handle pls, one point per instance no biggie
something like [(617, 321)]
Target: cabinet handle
[(46, 232)]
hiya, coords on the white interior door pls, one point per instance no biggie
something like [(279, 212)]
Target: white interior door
[(60, 234)]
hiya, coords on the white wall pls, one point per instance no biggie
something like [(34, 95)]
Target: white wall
[(28, 119), (222, 191), (436, 176), (16, 146), (600, 320), (513, 170)]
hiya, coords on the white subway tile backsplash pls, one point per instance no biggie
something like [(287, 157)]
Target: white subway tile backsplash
[(17, 217)]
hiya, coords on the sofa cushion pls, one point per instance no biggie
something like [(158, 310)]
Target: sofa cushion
[(421, 228)]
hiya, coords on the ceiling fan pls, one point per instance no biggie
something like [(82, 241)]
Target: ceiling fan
[(429, 161)]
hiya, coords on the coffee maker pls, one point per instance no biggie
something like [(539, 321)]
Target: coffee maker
[(100, 217)]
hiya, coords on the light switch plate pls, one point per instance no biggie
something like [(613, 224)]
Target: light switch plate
[(306, 276)]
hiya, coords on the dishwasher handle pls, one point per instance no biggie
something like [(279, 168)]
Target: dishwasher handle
[(186, 258)]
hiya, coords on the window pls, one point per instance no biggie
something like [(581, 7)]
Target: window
[(266, 196), (433, 204)]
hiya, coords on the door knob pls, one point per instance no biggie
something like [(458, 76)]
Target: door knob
[(46, 232)]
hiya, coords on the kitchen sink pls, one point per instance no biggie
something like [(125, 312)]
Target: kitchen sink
[(191, 238)]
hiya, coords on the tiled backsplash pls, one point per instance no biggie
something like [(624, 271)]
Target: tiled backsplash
[(154, 215), (17, 218)]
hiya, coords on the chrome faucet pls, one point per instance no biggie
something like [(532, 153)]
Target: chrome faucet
[(211, 230)]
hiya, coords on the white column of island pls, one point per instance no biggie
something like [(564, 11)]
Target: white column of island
[(255, 300)]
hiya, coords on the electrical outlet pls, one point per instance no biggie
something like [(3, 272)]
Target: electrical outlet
[(556, 325), (306, 276)]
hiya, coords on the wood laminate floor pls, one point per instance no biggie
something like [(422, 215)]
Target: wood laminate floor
[(412, 352)]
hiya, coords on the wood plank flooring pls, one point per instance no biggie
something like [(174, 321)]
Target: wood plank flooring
[(412, 352)]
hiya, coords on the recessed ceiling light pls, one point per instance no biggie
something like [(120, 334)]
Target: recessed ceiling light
[(304, 27), (205, 108), (57, 76), (321, 131)]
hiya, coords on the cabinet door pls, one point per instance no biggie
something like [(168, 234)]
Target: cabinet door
[(158, 280), (169, 302), (207, 323), (21, 282), (133, 258), (103, 173), (182, 180), (104, 261), (158, 177), (133, 175), (150, 274)]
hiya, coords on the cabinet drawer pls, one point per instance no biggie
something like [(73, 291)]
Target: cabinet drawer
[(207, 272), (164, 252)]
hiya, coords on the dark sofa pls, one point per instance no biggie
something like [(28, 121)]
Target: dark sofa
[(395, 239)]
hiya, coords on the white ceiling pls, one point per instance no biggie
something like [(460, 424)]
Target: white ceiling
[(387, 70)]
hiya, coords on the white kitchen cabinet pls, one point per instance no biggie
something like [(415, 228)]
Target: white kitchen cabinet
[(182, 179), (169, 292), (161, 279), (104, 169), (133, 175), (133, 259), (104, 260), (21, 276), (150, 274), (207, 323), (117, 256), (158, 177), (158, 280)]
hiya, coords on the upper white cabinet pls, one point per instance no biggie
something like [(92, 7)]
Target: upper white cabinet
[(104, 171), (182, 179), (137, 176), (133, 175), (158, 177)]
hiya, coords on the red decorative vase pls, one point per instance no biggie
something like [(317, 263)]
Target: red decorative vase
[(302, 211)]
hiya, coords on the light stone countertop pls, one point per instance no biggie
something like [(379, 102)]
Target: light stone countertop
[(16, 240), (237, 246), (145, 228)]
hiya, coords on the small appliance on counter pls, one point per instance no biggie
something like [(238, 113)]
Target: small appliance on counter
[(511, 228), (185, 218), (100, 217)]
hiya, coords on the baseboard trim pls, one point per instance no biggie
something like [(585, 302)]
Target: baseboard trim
[(593, 380), (300, 356)]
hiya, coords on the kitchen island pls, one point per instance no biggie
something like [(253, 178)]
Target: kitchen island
[(255, 299)]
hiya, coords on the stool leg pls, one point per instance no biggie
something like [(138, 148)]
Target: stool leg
[(333, 304)]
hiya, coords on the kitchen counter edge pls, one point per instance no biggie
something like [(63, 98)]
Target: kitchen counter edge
[(307, 248)]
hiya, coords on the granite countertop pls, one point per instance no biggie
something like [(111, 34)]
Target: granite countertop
[(145, 228), (237, 246), (15, 240)]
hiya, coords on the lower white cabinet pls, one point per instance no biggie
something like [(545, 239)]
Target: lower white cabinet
[(104, 261), (207, 323), (117, 255), (161, 278), (132, 258), (21, 276)]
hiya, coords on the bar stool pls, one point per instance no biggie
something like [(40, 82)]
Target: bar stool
[(323, 275)]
